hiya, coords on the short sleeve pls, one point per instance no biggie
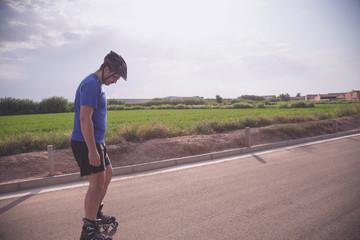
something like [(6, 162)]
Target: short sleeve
[(89, 94)]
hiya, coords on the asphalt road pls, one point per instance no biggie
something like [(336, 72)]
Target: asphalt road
[(306, 192)]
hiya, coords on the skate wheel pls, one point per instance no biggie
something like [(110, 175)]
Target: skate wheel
[(115, 225)]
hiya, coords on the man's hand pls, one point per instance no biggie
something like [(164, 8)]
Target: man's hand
[(94, 158)]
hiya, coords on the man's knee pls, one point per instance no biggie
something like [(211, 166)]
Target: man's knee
[(109, 170), (97, 181), (108, 173)]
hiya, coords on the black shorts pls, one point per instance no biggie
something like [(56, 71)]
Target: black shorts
[(81, 152)]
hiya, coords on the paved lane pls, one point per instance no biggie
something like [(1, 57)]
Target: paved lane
[(308, 192)]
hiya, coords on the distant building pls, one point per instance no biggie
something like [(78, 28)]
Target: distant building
[(142, 100), (194, 97), (354, 95), (297, 98), (339, 96), (172, 97), (310, 97), (268, 97), (325, 97), (135, 100), (177, 97)]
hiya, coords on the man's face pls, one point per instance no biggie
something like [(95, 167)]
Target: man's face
[(112, 79)]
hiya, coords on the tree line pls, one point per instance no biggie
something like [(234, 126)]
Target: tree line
[(13, 106)]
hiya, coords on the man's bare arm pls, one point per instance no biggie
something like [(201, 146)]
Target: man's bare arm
[(87, 129)]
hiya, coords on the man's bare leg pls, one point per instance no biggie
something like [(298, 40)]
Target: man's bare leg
[(106, 221), (92, 198), (108, 176)]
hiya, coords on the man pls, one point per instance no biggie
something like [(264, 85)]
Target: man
[(87, 142)]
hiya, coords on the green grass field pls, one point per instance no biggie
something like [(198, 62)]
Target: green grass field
[(42, 129), (40, 124)]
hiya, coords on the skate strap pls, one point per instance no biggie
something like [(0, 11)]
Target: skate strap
[(90, 222)]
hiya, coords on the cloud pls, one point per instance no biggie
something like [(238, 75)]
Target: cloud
[(11, 28), (178, 47), (35, 24)]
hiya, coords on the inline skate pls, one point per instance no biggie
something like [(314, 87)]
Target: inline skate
[(105, 221), (91, 231)]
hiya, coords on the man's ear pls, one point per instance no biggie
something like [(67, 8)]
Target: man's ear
[(106, 70)]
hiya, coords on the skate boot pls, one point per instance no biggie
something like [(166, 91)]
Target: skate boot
[(106, 221), (91, 231)]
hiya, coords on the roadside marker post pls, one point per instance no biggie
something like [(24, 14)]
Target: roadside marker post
[(335, 125), (247, 137), (50, 149)]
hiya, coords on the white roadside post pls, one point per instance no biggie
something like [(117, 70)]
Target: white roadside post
[(335, 125), (247, 137), (50, 149)]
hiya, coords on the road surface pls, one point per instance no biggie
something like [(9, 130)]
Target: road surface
[(304, 192)]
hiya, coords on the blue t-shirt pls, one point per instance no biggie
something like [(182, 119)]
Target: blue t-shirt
[(90, 93)]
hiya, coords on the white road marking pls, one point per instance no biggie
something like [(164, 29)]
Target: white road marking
[(53, 188)]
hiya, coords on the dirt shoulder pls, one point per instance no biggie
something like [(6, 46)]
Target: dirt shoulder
[(35, 164)]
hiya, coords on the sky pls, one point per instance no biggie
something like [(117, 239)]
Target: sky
[(181, 47)]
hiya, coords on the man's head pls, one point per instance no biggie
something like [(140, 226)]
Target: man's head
[(113, 68)]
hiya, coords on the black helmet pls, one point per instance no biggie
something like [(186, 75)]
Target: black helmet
[(116, 64)]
